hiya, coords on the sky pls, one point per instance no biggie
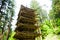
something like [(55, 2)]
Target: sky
[(45, 4)]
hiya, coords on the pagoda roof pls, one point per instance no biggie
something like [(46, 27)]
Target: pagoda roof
[(26, 35), (26, 20), (28, 26)]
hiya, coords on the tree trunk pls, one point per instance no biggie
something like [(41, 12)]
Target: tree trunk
[(8, 32)]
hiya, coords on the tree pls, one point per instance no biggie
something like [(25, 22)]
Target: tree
[(55, 15), (6, 14), (56, 10)]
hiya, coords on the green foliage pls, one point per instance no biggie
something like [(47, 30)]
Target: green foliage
[(51, 14), (12, 35), (47, 28), (6, 14), (55, 16), (58, 21), (56, 9), (57, 30)]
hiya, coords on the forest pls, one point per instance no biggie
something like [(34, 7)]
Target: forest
[(48, 23)]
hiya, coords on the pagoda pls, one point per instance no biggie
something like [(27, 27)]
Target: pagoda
[(26, 28)]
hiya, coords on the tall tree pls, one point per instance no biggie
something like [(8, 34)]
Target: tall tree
[(55, 15), (56, 10), (6, 14)]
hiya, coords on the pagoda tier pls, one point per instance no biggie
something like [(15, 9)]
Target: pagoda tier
[(26, 20), (26, 35), (26, 15), (26, 27), (26, 12), (26, 39)]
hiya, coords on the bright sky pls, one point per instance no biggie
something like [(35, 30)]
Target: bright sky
[(45, 4)]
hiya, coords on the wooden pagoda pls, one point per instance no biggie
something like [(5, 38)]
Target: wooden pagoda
[(26, 27)]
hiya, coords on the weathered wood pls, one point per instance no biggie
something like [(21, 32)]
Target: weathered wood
[(28, 26), (25, 39), (26, 12), (26, 20), (27, 9), (31, 17), (23, 12), (26, 35), (24, 29)]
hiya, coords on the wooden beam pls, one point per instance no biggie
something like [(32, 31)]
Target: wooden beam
[(25, 35), (28, 26)]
